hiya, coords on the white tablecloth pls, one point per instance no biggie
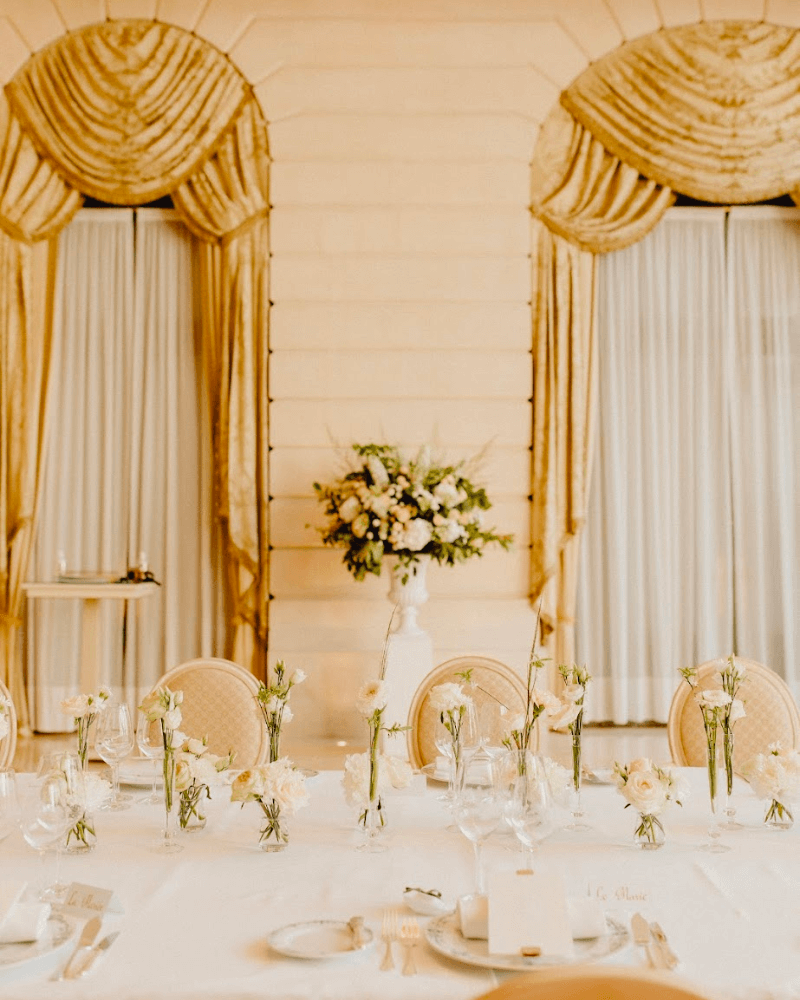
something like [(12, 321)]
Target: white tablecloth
[(195, 924)]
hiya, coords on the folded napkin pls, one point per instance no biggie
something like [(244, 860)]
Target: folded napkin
[(21, 920), (586, 917)]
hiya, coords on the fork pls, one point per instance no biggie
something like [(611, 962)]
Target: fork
[(389, 933), (409, 935)]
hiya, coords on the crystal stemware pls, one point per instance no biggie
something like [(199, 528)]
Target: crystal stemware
[(529, 804), (113, 742), (44, 818), (478, 809), (457, 746), (151, 745), (69, 767)]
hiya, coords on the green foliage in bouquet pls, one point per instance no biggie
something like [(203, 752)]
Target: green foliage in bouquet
[(408, 508)]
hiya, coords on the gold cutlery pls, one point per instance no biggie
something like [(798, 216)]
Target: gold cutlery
[(643, 937), (95, 953), (671, 960), (389, 932), (90, 931), (409, 937)]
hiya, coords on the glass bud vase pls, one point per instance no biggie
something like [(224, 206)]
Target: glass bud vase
[(649, 834), (81, 838), (169, 838), (274, 835), (778, 816), (717, 795), (727, 750), (578, 821), (191, 812)]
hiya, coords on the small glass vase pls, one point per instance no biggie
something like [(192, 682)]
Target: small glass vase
[(727, 750), (578, 821), (191, 816), (168, 843), (717, 796), (81, 838), (649, 834), (778, 816), (274, 835)]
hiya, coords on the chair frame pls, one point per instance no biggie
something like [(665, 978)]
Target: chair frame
[(171, 679), (709, 668), (8, 746), (440, 675)]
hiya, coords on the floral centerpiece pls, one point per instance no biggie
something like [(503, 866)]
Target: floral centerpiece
[(84, 709), (163, 706), (273, 700), (404, 507), (649, 789), (279, 789), (775, 776), (196, 772), (731, 677), (714, 704)]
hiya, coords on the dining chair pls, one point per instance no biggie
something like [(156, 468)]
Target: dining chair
[(593, 983), (8, 744), (771, 715), (493, 684), (219, 701)]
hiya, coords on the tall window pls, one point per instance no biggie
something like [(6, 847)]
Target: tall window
[(692, 543)]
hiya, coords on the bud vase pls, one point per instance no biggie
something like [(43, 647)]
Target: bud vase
[(717, 795), (778, 816), (578, 821), (649, 834), (372, 822), (274, 835), (727, 750), (81, 838), (191, 816), (169, 843)]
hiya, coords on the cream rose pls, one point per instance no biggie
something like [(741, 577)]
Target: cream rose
[(247, 786), (77, 706), (645, 792)]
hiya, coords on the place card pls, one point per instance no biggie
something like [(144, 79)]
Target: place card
[(528, 914), (86, 900)]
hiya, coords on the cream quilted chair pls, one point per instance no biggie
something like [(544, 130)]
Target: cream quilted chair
[(494, 684), (219, 701), (771, 715), (589, 982), (8, 744)]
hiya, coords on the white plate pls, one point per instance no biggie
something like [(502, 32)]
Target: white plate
[(597, 776), (35, 956), (317, 939), (138, 772), (444, 935), (442, 777)]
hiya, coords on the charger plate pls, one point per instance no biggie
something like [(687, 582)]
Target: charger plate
[(36, 956), (444, 935)]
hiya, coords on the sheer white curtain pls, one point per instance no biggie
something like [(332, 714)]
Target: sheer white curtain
[(764, 269), (655, 586), (128, 467)]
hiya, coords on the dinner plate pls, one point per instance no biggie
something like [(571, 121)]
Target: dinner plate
[(442, 777), (444, 935), (317, 939), (34, 956)]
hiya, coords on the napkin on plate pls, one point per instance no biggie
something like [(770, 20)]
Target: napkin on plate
[(586, 917), (21, 920)]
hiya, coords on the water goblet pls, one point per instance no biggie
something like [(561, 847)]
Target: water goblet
[(151, 745), (477, 810), (9, 807), (529, 805), (113, 742), (67, 765), (44, 818)]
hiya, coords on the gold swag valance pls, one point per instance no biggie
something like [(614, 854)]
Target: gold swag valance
[(127, 111)]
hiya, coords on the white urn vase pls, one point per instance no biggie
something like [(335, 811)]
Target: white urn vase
[(408, 593)]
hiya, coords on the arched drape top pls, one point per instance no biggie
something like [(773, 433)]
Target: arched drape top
[(711, 110), (127, 110)]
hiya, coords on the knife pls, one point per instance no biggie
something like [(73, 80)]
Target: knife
[(90, 931), (670, 958), (643, 937), (94, 953)]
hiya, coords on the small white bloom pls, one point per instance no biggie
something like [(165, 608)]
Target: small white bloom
[(371, 698), (712, 698), (565, 715), (736, 710), (298, 676), (77, 706), (448, 697)]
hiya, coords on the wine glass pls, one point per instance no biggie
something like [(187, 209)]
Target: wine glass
[(151, 745), (113, 742), (68, 766), (9, 808), (529, 803), (44, 817), (477, 810)]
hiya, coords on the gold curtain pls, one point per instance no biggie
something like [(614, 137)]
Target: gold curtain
[(127, 111), (711, 110)]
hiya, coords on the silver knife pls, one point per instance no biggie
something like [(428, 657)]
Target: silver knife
[(95, 952), (671, 960), (90, 931), (643, 937)]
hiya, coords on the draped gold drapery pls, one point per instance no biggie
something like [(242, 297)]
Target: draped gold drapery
[(128, 111), (711, 110)]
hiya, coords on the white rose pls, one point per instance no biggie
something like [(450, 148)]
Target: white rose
[(371, 698), (712, 698), (247, 785), (284, 783), (416, 535), (204, 771), (183, 775), (565, 715), (736, 710), (349, 509), (448, 697), (77, 706), (645, 792)]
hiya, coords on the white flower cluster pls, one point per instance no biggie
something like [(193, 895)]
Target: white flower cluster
[(393, 772), (163, 705), (450, 697), (775, 774), (279, 782), (196, 766), (649, 788), (272, 699), (393, 505), (81, 705)]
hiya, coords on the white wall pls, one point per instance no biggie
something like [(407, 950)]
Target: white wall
[(401, 133)]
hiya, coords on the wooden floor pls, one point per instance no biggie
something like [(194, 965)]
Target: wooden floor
[(601, 747)]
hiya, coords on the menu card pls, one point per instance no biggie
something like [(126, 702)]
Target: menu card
[(528, 914)]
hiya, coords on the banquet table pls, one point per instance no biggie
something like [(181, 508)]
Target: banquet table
[(195, 924)]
